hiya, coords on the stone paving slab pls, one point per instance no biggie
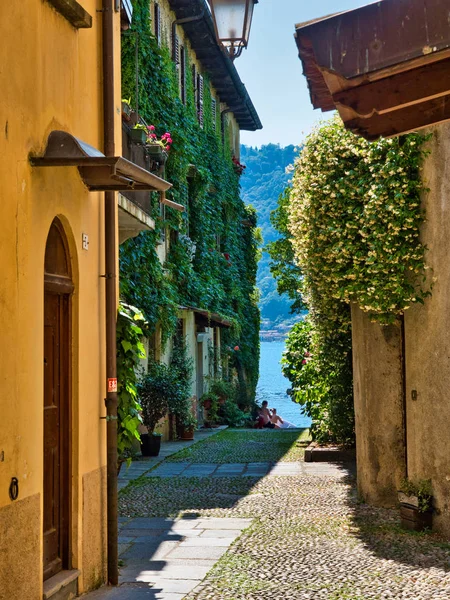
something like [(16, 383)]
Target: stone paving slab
[(287, 469), (169, 557), (139, 467), (135, 592)]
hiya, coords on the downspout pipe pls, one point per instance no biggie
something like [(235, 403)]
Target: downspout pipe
[(110, 295)]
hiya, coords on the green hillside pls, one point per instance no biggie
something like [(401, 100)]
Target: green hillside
[(263, 181)]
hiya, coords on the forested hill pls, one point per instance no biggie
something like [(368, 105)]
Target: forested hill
[(263, 181)]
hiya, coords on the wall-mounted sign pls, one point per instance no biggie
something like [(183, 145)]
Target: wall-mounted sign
[(112, 384)]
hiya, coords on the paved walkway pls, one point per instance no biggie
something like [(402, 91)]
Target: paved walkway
[(165, 559), (145, 464), (283, 530)]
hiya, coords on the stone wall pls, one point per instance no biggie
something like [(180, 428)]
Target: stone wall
[(20, 548), (378, 391), (428, 339)]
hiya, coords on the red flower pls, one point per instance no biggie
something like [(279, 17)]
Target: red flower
[(236, 348)]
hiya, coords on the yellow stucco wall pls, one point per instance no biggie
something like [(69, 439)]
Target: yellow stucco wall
[(51, 79)]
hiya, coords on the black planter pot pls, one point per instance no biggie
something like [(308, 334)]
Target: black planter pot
[(150, 444)]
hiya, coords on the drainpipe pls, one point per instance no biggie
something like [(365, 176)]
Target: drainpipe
[(110, 296)]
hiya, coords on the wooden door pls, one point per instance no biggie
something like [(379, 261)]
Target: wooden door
[(56, 486)]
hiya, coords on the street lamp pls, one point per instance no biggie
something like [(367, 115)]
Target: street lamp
[(232, 22)]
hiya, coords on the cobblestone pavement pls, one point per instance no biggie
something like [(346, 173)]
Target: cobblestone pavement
[(232, 446), (140, 467), (306, 537)]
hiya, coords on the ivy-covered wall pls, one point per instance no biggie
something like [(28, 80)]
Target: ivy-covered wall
[(213, 252)]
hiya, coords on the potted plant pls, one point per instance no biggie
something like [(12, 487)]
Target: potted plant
[(238, 167), (180, 402), (187, 426), (223, 389), (210, 403), (126, 109), (154, 392), (416, 504), (157, 148), (138, 134)]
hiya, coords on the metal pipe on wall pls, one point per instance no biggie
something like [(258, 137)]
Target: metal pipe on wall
[(110, 296)]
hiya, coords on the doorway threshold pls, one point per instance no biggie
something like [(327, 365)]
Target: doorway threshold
[(62, 586)]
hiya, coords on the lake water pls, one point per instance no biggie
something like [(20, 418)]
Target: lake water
[(273, 384)]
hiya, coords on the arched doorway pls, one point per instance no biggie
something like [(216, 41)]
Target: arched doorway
[(58, 288)]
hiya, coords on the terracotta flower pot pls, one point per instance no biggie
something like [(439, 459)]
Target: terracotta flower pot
[(187, 434)]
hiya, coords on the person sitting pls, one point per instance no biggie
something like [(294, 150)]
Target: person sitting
[(276, 419), (265, 416)]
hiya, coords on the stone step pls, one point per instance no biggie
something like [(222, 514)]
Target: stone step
[(62, 586)]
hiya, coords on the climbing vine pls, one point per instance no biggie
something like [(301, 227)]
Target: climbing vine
[(353, 214), (214, 243), (130, 350)]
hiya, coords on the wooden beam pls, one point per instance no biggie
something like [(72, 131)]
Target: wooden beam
[(397, 91), (73, 12), (401, 121)]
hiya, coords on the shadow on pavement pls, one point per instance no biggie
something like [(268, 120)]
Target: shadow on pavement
[(380, 531)]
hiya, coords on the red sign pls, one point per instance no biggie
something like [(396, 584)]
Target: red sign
[(112, 384)]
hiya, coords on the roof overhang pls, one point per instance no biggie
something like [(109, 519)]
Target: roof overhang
[(206, 318), (99, 172), (195, 18), (385, 67)]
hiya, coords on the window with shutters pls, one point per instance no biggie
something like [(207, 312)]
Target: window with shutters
[(175, 46), (183, 74), (214, 113), (157, 23), (200, 99)]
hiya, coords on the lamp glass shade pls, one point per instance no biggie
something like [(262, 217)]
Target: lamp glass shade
[(232, 20)]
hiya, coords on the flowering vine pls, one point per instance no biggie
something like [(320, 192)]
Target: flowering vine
[(354, 218)]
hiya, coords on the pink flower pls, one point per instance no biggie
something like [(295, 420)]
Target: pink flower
[(236, 348), (167, 148), (307, 354), (151, 128), (304, 362), (169, 140)]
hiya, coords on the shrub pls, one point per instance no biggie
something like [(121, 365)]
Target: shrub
[(156, 391), (233, 415)]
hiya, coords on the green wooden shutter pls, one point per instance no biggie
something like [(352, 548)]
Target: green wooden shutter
[(200, 99)]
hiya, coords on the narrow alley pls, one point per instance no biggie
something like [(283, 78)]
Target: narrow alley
[(213, 521)]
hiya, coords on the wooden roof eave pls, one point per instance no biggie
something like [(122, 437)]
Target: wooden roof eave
[(403, 85)]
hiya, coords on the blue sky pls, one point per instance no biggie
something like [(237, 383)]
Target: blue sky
[(272, 71)]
